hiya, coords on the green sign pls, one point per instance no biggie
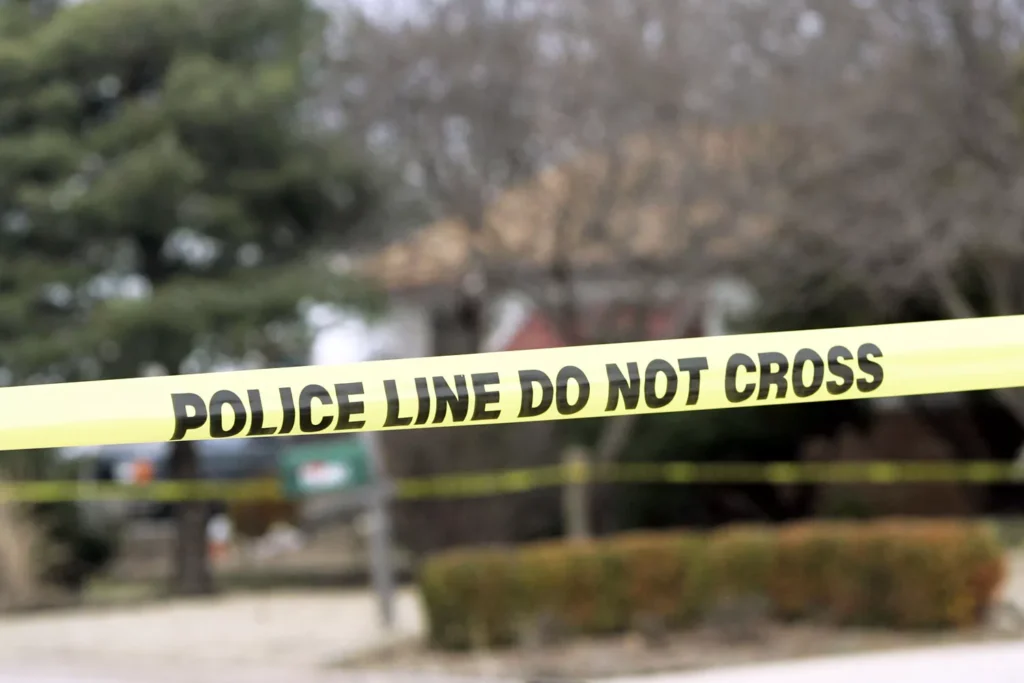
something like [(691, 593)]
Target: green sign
[(324, 466)]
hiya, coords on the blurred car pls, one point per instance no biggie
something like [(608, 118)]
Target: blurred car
[(218, 460)]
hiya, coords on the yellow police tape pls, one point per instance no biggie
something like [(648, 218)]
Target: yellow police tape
[(480, 484), (523, 386)]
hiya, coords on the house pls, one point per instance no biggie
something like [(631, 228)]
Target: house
[(648, 240), (628, 240)]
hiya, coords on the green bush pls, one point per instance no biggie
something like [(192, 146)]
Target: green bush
[(915, 575), (741, 560), (894, 573), (662, 574), (83, 549), (807, 558), (471, 598), (76, 549), (580, 583), (252, 519)]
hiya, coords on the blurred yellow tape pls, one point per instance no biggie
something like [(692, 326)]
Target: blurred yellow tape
[(482, 484), (163, 491), (778, 473), (523, 386)]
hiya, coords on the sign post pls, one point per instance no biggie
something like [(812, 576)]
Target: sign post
[(381, 560), (350, 464), (325, 466)]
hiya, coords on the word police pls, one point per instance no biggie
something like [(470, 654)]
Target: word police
[(228, 415), (764, 376)]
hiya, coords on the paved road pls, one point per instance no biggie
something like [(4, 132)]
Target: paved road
[(991, 663)]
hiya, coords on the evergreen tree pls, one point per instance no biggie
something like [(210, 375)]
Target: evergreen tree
[(169, 196)]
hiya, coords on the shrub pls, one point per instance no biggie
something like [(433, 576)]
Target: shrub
[(253, 519), (581, 583), (806, 556), (471, 598), (896, 573), (741, 560), (662, 575), (85, 549), (60, 547), (47, 551), (911, 574), (23, 547)]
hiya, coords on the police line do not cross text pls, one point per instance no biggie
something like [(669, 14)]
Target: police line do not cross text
[(541, 391)]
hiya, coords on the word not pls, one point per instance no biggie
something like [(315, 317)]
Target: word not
[(628, 388)]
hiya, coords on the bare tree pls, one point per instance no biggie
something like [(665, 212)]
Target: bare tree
[(450, 98), (605, 159), (610, 159), (912, 188)]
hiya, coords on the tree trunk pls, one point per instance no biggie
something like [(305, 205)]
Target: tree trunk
[(192, 574), (617, 432)]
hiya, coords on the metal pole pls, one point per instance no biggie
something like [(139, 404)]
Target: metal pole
[(381, 561), (575, 494)]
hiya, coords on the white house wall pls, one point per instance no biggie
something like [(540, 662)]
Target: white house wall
[(405, 331)]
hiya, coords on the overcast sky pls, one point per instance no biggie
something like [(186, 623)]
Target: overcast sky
[(348, 339)]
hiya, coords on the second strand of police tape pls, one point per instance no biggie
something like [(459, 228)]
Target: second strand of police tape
[(522, 480)]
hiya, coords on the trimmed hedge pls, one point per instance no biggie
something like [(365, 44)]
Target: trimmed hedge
[(893, 573)]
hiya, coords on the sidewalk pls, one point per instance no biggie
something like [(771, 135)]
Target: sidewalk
[(124, 674), (296, 631), (247, 638)]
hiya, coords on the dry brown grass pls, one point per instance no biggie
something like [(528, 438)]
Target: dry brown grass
[(23, 548)]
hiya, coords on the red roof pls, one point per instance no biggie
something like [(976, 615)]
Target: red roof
[(539, 332)]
